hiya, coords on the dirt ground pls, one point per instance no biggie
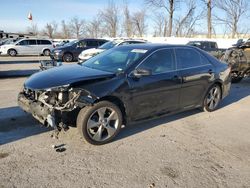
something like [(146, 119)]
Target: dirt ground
[(191, 149)]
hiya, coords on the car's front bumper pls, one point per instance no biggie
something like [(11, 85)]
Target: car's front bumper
[(37, 109), (56, 56)]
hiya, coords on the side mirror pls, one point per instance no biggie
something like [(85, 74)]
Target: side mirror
[(138, 73)]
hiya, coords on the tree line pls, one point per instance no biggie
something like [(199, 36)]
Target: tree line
[(160, 18)]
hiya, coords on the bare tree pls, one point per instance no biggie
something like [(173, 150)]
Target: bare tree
[(33, 29), (169, 7), (139, 22), (77, 27), (127, 24), (185, 20), (208, 10), (234, 10), (50, 29), (94, 28), (109, 17), (65, 30), (160, 24)]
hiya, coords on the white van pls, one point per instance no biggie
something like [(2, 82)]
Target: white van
[(27, 47)]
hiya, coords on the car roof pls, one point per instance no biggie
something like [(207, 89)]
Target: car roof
[(92, 39), (202, 41), (153, 46)]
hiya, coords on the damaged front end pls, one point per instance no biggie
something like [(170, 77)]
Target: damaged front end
[(54, 107)]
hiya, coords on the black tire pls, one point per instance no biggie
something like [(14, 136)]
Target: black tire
[(12, 52), (46, 52), (207, 106), (89, 112), (67, 57)]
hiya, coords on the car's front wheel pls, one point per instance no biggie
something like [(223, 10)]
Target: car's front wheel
[(67, 57), (99, 123), (212, 99), (12, 52)]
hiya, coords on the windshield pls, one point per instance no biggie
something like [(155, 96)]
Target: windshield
[(108, 45), (114, 60)]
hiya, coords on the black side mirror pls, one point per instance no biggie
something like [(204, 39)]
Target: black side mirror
[(138, 73)]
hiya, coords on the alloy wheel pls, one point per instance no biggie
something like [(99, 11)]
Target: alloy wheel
[(213, 98), (102, 124)]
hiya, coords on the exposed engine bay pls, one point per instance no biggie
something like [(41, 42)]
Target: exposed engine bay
[(54, 107)]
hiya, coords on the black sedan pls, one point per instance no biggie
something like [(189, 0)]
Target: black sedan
[(125, 84)]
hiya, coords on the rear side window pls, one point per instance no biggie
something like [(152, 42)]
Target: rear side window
[(188, 58), (32, 42), (160, 61), (92, 43), (44, 42), (101, 42)]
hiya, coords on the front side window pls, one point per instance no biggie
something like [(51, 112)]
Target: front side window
[(81, 44), (23, 42), (160, 61), (188, 58), (92, 43)]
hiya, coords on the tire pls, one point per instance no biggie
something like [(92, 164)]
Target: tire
[(212, 98), (46, 52), (12, 52), (95, 125), (67, 57)]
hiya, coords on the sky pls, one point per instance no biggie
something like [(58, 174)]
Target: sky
[(13, 13)]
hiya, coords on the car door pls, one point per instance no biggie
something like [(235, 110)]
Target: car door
[(157, 93), (196, 72), (33, 47), (22, 47)]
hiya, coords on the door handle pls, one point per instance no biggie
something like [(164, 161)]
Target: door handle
[(177, 78)]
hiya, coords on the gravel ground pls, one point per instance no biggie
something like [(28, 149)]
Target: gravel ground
[(191, 149)]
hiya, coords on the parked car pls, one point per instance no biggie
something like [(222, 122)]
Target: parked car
[(27, 47), (125, 84), (8, 41), (70, 51), (238, 57), (86, 54), (208, 46)]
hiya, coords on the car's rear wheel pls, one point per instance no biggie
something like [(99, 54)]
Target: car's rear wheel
[(46, 52), (212, 98), (99, 123), (236, 77), (67, 57), (12, 52)]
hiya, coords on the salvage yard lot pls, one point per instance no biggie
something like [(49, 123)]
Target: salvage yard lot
[(191, 149)]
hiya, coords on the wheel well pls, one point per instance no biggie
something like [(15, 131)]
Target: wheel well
[(46, 49), (220, 85), (118, 102), (11, 49)]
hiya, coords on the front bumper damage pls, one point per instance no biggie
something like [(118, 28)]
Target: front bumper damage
[(55, 108)]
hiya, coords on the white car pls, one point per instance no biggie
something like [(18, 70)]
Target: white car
[(86, 54), (27, 47)]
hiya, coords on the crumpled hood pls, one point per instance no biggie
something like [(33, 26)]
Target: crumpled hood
[(64, 75)]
